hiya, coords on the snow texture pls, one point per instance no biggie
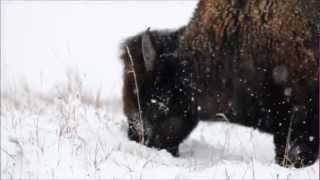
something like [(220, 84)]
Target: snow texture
[(61, 113)]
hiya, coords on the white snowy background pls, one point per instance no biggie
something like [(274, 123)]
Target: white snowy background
[(61, 111)]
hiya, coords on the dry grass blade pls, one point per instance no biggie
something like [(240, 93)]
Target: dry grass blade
[(286, 159), (138, 97)]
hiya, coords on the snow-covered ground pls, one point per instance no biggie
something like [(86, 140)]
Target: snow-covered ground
[(61, 114)]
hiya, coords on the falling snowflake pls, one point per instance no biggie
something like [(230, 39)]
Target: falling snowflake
[(311, 138)]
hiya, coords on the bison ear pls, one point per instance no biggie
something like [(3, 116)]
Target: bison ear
[(148, 51)]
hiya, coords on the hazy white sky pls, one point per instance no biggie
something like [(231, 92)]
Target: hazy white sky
[(41, 40)]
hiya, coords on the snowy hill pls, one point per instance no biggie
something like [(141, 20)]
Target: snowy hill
[(61, 110), (65, 137)]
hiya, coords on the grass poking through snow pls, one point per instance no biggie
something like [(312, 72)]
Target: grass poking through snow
[(73, 134)]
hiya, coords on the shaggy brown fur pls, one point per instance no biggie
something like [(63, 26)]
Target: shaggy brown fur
[(253, 60), (268, 29), (255, 56)]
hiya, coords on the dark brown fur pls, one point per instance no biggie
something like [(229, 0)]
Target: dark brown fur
[(245, 45), (253, 60), (265, 27)]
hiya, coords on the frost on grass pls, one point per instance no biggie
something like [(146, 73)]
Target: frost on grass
[(70, 134)]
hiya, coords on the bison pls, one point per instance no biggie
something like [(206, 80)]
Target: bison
[(251, 62)]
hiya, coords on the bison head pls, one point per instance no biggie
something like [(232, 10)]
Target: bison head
[(153, 85)]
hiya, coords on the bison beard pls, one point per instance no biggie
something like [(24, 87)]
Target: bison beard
[(252, 60)]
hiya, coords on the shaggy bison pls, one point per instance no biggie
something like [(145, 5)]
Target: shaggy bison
[(252, 60)]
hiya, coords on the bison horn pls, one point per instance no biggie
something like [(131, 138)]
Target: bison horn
[(148, 51)]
